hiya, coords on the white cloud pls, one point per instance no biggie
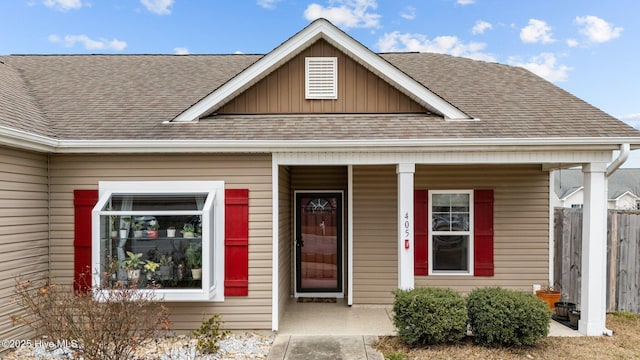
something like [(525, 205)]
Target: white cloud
[(88, 43), (268, 4), (597, 30), (160, 7), (631, 119), (63, 5), (409, 13), (238, 52), (480, 27), (536, 32), (465, 2), (180, 51), (396, 42), (572, 42), (544, 65), (346, 13)]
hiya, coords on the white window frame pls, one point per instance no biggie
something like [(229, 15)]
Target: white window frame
[(469, 233), (309, 62), (212, 232)]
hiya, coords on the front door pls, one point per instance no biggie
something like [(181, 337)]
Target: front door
[(318, 243)]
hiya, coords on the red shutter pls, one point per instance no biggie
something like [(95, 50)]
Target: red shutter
[(236, 242), (483, 233), (83, 202), (421, 232)]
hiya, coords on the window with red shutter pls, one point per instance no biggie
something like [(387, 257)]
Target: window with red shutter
[(482, 231), (83, 203), (139, 218), (421, 233), (236, 243)]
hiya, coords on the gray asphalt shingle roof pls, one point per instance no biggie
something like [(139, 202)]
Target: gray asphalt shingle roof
[(130, 96)]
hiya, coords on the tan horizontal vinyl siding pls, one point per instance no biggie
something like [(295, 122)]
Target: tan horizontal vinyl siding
[(521, 223), (70, 172), (24, 244), (375, 253), (285, 248), (359, 90)]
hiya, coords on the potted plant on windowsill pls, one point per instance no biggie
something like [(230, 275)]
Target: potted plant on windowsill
[(133, 263), (187, 231), (137, 230), (171, 231), (166, 268), (193, 258), (124, 232), (150, 268), (152, 229)]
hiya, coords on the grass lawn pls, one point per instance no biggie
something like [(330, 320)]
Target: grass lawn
[(624, 344)]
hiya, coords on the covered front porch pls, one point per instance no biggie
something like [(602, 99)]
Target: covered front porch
[(378, 234)]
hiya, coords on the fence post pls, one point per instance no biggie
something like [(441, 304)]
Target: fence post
[(612, 244)]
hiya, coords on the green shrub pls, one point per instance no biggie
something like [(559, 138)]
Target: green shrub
[(209, 334), (502, 317), (429, 316)]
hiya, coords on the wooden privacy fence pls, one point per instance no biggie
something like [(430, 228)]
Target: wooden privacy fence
[(623, 257)]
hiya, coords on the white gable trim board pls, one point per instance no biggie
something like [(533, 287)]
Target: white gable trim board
[(318, 29)]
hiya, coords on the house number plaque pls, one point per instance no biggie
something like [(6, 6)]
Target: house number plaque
[(407, 230)]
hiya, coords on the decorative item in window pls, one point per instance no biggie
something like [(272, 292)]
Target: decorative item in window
[(150, 268), (132, 263), (188, 231), (124, 232), (152, 229), (171, 232), (137, 230), (193, 257), (165, 272), (113, 227)]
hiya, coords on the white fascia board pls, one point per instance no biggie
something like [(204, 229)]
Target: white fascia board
[(25, 140), (297, 43), (267, 146)]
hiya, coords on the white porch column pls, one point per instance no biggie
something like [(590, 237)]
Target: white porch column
[(405, 225), (594, 251)]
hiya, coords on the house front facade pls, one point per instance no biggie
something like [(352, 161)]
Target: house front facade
[(321, 169)]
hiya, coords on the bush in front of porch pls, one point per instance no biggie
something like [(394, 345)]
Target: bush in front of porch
[(427, 316), (503, 317)]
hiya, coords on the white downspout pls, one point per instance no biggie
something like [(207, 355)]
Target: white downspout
[(625, 149)]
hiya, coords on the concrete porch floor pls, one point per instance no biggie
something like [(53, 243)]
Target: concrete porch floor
[(335, 319), (338, 319)]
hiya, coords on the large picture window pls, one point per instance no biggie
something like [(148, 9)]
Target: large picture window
[(162, 235), (451, 235)]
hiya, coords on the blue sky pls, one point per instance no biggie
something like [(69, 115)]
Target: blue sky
[(591, 48)]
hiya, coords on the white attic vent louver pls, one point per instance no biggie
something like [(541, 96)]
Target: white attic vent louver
[(321, 77)]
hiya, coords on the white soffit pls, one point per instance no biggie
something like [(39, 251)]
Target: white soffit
[(318, 29)]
